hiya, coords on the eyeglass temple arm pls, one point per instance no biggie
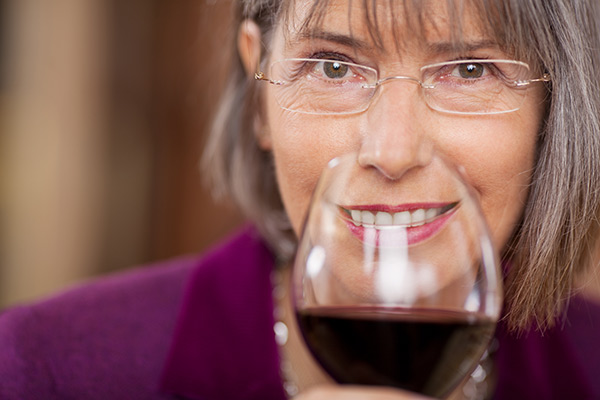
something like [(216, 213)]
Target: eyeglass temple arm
[(544, 78), (260, 76)]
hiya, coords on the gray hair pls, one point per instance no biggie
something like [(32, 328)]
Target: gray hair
[(554, 241)]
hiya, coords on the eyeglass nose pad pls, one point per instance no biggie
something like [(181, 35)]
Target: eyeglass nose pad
[(379, 86), (399, 78), (376, 91)]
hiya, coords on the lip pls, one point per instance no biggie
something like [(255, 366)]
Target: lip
[(416, 232)]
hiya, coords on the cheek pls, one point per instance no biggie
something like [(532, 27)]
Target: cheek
[(302, 146), (505, 166), (504, 190), (499, 165)]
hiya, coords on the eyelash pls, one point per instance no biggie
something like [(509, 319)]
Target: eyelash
[(324, 54)]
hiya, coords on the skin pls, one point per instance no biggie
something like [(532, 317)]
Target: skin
[(397, 135)]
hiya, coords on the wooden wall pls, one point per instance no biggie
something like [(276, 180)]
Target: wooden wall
[(104, 108)]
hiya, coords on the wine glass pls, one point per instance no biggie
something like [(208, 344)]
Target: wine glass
[(396, 281)]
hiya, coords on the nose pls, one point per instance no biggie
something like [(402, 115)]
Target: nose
[(395, 136)]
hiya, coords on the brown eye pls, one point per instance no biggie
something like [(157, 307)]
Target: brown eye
[(470, 70), (335, 70)]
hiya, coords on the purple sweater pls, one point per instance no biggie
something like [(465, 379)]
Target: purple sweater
[(201, 328)]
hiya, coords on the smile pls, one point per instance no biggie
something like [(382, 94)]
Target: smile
[(420, 222), (407, 218)]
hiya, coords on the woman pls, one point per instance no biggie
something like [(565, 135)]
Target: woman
[(533, 161)]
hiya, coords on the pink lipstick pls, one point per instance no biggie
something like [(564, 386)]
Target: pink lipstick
[(420, 221)]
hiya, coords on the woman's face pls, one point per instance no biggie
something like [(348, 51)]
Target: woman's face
[(396, 134)]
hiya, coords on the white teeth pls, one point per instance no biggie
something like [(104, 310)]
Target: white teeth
[(430, 213), (416, 217), (383, 218), (356, 217), (402, 218), (367, 217)]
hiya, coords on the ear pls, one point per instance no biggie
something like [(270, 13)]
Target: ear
[(249, 46)]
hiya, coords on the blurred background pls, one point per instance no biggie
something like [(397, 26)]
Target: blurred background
[(104, 109)]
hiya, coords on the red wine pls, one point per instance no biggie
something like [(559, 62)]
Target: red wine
[(426, 351)]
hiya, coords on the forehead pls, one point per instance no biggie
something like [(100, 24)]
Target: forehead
[(389, 24)]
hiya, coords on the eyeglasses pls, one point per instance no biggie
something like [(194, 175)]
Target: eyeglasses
[(472, 87)]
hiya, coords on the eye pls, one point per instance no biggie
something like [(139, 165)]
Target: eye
[(469, 70), (335, 69), (332, 69)]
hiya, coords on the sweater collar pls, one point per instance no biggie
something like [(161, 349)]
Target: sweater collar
[(223, 345)]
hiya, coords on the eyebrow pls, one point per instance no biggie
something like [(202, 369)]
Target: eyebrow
[(450, 47), (339, 38), (441, 47)]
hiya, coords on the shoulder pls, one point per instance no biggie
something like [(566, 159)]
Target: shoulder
[(561, 362), (225, 328), (108, 338), (234, 259), (79, 338)]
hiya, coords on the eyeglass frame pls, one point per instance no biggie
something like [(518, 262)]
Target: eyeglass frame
[(260, 76)]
